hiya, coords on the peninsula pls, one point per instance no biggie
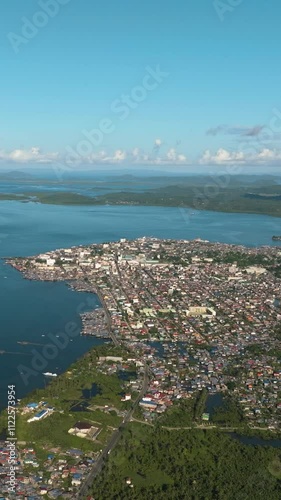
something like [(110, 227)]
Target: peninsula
[(191, 322)]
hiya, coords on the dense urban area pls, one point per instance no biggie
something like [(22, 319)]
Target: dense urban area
[(192, 341)]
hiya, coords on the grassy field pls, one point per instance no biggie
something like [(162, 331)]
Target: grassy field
[(63, 393)]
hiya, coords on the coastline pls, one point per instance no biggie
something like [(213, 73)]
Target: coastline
[(87, 202), (88, 318), (143, 287), (103, 269)]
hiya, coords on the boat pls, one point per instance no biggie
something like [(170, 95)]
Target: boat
[(49, 374), (276, 238)]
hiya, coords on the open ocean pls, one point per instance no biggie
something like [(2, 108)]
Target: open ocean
[(31, 310)]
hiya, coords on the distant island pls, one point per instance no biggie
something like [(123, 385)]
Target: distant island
[(16, 175), (255, 195)]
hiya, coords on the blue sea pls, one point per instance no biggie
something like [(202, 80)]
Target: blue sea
[(30, 311)]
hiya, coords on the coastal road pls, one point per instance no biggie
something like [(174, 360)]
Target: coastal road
[(99, 464), (108, 317)]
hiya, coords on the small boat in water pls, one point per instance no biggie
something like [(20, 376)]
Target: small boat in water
[(49, 374)]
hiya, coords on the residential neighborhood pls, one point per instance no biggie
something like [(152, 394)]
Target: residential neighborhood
[(203, 319)]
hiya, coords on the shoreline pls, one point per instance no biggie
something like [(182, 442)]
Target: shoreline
[(125, 277), (87, 317), (143, 288), (140, 205)]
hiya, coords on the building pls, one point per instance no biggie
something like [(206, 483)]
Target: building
[(41, 414)]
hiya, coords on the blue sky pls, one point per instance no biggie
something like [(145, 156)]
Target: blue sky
[(217, 102)]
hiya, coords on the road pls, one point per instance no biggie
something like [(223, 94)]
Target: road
[(84, 490), (108, 317)]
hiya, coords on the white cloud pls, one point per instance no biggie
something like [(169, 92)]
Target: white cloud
[(32, 155), (173, 156), (135, 156), (93, 158), (182, 158), (158, 144), (117, 157), (269, 154), (223, 156)]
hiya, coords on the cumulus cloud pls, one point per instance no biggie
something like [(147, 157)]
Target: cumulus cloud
[(136, 152), (269, 155), (97, 158), (32, 155), (170, 157), (137, 156), (173, 156), (158, 143), (182, 158), (118, 156), (223, 157)]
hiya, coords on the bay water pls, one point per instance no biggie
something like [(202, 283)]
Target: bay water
[(30, 310)]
